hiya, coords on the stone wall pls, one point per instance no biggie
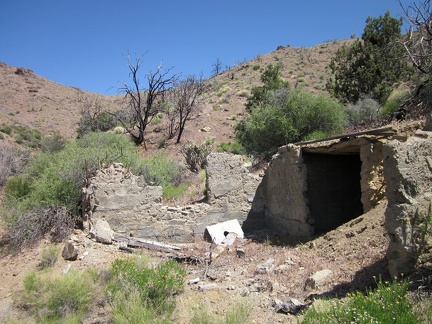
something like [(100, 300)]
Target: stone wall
[(230, 189), (408, 174), (133, 208)]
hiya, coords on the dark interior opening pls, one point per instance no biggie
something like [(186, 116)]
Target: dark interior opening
[(334, 192)]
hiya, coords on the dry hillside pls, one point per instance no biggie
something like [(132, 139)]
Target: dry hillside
[(267, 273)]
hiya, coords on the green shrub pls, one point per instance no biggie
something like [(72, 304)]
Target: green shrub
[(159, 170), (136, 291), (49, 257), (364, 112), (287, 117), (59, 299), (231, 147), (7, 129), (172, 192), (394, 101), (386, 304), (196, 154), (18, 186), (53, 143)]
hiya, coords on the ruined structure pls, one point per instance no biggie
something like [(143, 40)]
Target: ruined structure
[(308, 189)]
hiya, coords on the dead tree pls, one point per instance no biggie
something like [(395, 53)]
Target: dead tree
[(144, 103), (419, 39), (183, 96)]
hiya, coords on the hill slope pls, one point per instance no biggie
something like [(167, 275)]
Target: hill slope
[(30, 100)]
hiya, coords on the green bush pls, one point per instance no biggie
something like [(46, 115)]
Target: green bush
[(196, 154), (288, 117), (49, 257), (53, 143), (65, 299), (7, 129), (138, 293), (386, 304), (159, 170), (235, 147), (364, 112)]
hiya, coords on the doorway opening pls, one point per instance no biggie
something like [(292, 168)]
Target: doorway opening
[(333, 189)]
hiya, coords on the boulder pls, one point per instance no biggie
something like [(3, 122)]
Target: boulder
[(102, 232), (70, 252)]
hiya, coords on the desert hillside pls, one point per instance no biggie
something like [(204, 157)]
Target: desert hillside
[(30, 100)]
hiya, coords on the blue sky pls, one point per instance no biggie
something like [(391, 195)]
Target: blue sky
[(82, 43)]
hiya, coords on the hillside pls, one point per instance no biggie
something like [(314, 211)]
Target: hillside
[(30, 100), (268, 271)]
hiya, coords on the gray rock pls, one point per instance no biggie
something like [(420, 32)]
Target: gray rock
[(317, 279), (102, 231), (70, 252), (265, 267), (289, 305)]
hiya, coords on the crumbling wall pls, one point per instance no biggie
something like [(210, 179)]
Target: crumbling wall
[(408, 175), (284, 190), (133, 208), (372, 174), (230, 188)]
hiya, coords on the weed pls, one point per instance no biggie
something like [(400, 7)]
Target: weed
[(388, 303), (49, 257), (137, 292), (59, 299)]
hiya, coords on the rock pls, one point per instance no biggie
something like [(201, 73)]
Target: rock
[(205, 129), (289, 305), (193, 281), (265, 267), (102, 232), (317, 279), (70, 252), (244, 292), (208, 287), (240, 253)]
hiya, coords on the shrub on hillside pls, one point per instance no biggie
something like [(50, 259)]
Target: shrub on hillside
[(139, 293), (54, 299), (12, 161), (159, 170), (287, 118), (363, 113), (53, 181), (196, 154)]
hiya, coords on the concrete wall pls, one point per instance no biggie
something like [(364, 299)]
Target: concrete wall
[(408, 174)]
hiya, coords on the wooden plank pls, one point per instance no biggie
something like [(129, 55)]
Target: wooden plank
[(142, 243), (383, 131)]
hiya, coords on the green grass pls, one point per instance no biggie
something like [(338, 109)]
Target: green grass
[(65, 299), (140, 293), (388, 303)]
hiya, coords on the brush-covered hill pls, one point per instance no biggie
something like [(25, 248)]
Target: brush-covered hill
[(33, 101)]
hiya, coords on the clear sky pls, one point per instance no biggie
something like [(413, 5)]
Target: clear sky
[(82, 43)]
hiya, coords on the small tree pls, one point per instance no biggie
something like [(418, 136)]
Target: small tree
[(183, 97), (271, 79), (371, 65), (144, 103), (217, 67)]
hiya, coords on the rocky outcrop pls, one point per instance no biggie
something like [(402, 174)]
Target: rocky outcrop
[(408, 174)]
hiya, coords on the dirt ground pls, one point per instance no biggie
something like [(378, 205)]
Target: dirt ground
[(266, 272)]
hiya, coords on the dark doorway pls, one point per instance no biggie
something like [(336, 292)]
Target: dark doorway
[(334, 193)]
